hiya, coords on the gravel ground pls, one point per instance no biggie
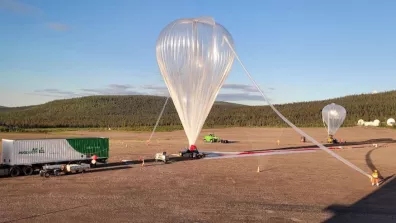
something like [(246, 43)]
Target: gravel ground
[(290, 188)]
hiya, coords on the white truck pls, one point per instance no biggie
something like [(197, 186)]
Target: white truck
[(24, 156), (162, 157)]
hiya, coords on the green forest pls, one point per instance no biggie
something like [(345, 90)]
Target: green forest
[(142, 112)]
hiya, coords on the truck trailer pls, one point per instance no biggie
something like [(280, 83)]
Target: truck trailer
[(24, 156)]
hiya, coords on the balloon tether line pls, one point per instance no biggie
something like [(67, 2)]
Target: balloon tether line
[(291, 124), (159, 117)]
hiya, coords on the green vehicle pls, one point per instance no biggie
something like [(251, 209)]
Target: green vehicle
[(212, 138)]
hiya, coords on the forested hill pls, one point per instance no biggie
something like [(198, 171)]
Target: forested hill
[(4, 109), (135, 111)]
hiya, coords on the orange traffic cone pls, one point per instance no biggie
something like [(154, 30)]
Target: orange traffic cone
[(142, 159)]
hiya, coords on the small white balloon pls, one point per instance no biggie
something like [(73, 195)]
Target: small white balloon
[(333, 116)]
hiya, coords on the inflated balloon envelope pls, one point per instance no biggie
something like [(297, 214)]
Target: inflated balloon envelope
[(195, 56), (333, 116), (194, 60)]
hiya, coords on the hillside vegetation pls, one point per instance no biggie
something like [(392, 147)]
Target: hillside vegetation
[(141, 111), (5, 109)]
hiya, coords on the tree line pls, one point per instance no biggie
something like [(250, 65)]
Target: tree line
[(141, 111)]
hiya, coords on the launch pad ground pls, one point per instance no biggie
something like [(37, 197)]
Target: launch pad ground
[(301, 187)]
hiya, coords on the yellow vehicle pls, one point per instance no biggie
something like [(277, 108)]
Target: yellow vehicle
[(332, 140)]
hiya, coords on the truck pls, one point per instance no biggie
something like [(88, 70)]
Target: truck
[(212, 138), (162, 157), (24, 156)]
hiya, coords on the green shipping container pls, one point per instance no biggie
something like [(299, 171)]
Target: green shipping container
[(91, 146), (42, 151)]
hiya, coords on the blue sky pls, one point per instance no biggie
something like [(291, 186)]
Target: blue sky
[(295, 50)]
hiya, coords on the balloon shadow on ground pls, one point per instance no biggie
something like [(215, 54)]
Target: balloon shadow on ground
[(153, 162), (150, 162), (178, 159), (122, 165), (379, 206), (93, 170), (371, 141)]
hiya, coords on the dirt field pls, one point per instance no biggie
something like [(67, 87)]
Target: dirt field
[(311, 187)]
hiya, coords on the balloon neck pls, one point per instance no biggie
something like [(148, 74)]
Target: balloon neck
[(193, 148)]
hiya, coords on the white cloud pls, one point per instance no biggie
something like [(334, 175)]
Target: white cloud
[(238, 97), (58, 26), (18, 7), (247, 94), (114, 89)]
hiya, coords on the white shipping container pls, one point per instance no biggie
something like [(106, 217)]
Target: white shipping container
[(38, 151)]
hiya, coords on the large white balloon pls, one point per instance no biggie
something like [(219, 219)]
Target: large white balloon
[(194, 60), (333, 116)]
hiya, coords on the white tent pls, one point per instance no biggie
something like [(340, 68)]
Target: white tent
[(390, 122), (375, 123)]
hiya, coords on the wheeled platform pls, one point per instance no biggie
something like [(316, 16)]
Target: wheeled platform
[(56, 170), (191, 154)]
